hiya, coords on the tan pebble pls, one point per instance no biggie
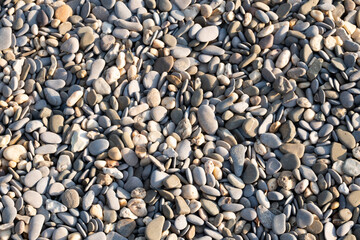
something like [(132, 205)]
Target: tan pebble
[(140, 151), (335, 205), (272, 184), (114, 153), (15, 153), (21, 98), (74, 236), (206, 10), (317, 15), (158, 44), (96, 211), (138, 207), (132, 72), (317, 43), (63, 13), (168, 102), (274, 127), (217, 173), (55, 23)]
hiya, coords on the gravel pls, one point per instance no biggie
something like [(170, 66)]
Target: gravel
[(144, 119)]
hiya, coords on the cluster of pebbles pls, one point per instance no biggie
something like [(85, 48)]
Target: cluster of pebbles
[(179, 119)]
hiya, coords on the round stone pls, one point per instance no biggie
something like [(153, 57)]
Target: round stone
[(98, 146), (70, 198)]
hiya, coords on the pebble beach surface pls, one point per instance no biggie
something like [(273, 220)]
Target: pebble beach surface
[(180, 119)]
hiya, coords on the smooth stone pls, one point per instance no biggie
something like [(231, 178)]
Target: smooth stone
[(164, 64), (32, 178), (14, 153), (70, 198), (129, 156), (189, 192), (33, 198), (324, 197), (237, 154), (154, 229), (304, 218), (338, 152), (98, 146), (346, 138), (35, 226), (199, 176), (330, 231), (71, 45), (52, 96), (290, 161), (5, 38), (270, 140), (351, 167), (101, 86), (248, 214), (96, 236), (50, 137), (125, 227), (207, 119), (279, 224), (122, 11), (265, 216), (207, 34), (151, 79), (354, 198), (210, 207), (183, 149), (251, 173)]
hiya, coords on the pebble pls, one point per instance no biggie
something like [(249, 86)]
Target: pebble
[(98, 146), (207, 34), (154, 229), (279, 224), (32, 178), (179, 120), (207, 119), (304, 218), (35, 226), (5, 39)]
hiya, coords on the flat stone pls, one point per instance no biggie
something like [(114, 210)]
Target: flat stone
[(279, 224), (71, 45), (5, 38), (265, 216), (125, 227), (32, 178), (33, 198), (237, 154), (183, 149), (251, 173), (207, 34), (210, 207), (163, 64), (324, 197), (207, 120), (63, 12), (35, 226), (129, 156), (98, 146), (70, 198), (304, 218), (346, 138), (354, 198), (351, 167), (154, 229), (290, 161), (270, 140)]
